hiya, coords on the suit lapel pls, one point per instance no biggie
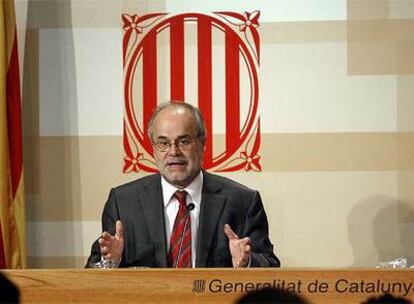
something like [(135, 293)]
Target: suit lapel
[(212, 204), (152, 204)]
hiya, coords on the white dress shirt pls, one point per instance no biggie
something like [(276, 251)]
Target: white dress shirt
[(171, 207)]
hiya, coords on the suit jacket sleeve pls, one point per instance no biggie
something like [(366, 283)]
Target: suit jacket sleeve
[(110, 215), (257, 228)]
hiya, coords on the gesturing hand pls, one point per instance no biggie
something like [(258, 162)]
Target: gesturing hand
[(113, 246), (240, 249)]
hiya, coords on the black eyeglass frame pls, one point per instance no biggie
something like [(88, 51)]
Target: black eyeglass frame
[(181, 143)]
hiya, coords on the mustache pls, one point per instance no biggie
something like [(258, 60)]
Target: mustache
[(176, 161)]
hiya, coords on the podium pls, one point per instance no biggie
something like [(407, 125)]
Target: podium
[(213, 285)]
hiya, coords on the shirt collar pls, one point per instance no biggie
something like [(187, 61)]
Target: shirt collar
[(194, 189)]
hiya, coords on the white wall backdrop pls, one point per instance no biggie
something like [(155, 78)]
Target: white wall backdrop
[(336, 122)]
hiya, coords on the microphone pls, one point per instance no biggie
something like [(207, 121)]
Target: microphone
[(190, 207)]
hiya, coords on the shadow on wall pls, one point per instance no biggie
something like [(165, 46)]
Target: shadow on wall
[(50, 111), (381, 229)]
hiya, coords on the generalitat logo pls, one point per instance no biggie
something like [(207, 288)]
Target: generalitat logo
[(199, 286), (209, 60)]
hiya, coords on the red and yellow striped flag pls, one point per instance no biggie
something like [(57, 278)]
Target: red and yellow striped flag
[(12, 207)]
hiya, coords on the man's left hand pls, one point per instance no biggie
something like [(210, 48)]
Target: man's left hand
[(240, 249)]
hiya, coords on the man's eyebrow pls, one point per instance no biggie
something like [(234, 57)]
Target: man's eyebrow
[(178, 137), (183, 136), (161, 137)]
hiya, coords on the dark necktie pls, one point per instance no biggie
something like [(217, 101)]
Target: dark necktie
[(180, 245)]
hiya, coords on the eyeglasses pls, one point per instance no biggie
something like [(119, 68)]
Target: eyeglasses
[(183, 143)]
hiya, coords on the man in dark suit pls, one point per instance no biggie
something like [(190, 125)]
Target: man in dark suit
[(218, 223)]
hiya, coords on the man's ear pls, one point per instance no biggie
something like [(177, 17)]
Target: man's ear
[(203, 152)]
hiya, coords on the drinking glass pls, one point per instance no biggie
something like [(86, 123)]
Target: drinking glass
[(104, 263)]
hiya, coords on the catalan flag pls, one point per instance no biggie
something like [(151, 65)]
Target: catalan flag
[(12, 206)]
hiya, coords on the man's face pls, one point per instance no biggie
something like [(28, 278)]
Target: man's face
[(178, 166)]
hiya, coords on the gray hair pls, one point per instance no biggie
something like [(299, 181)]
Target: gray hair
[(198, 117)]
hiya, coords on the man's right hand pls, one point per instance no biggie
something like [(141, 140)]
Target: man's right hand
[(113, 246)]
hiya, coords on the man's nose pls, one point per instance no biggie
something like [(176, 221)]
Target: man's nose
[(173, 149)]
